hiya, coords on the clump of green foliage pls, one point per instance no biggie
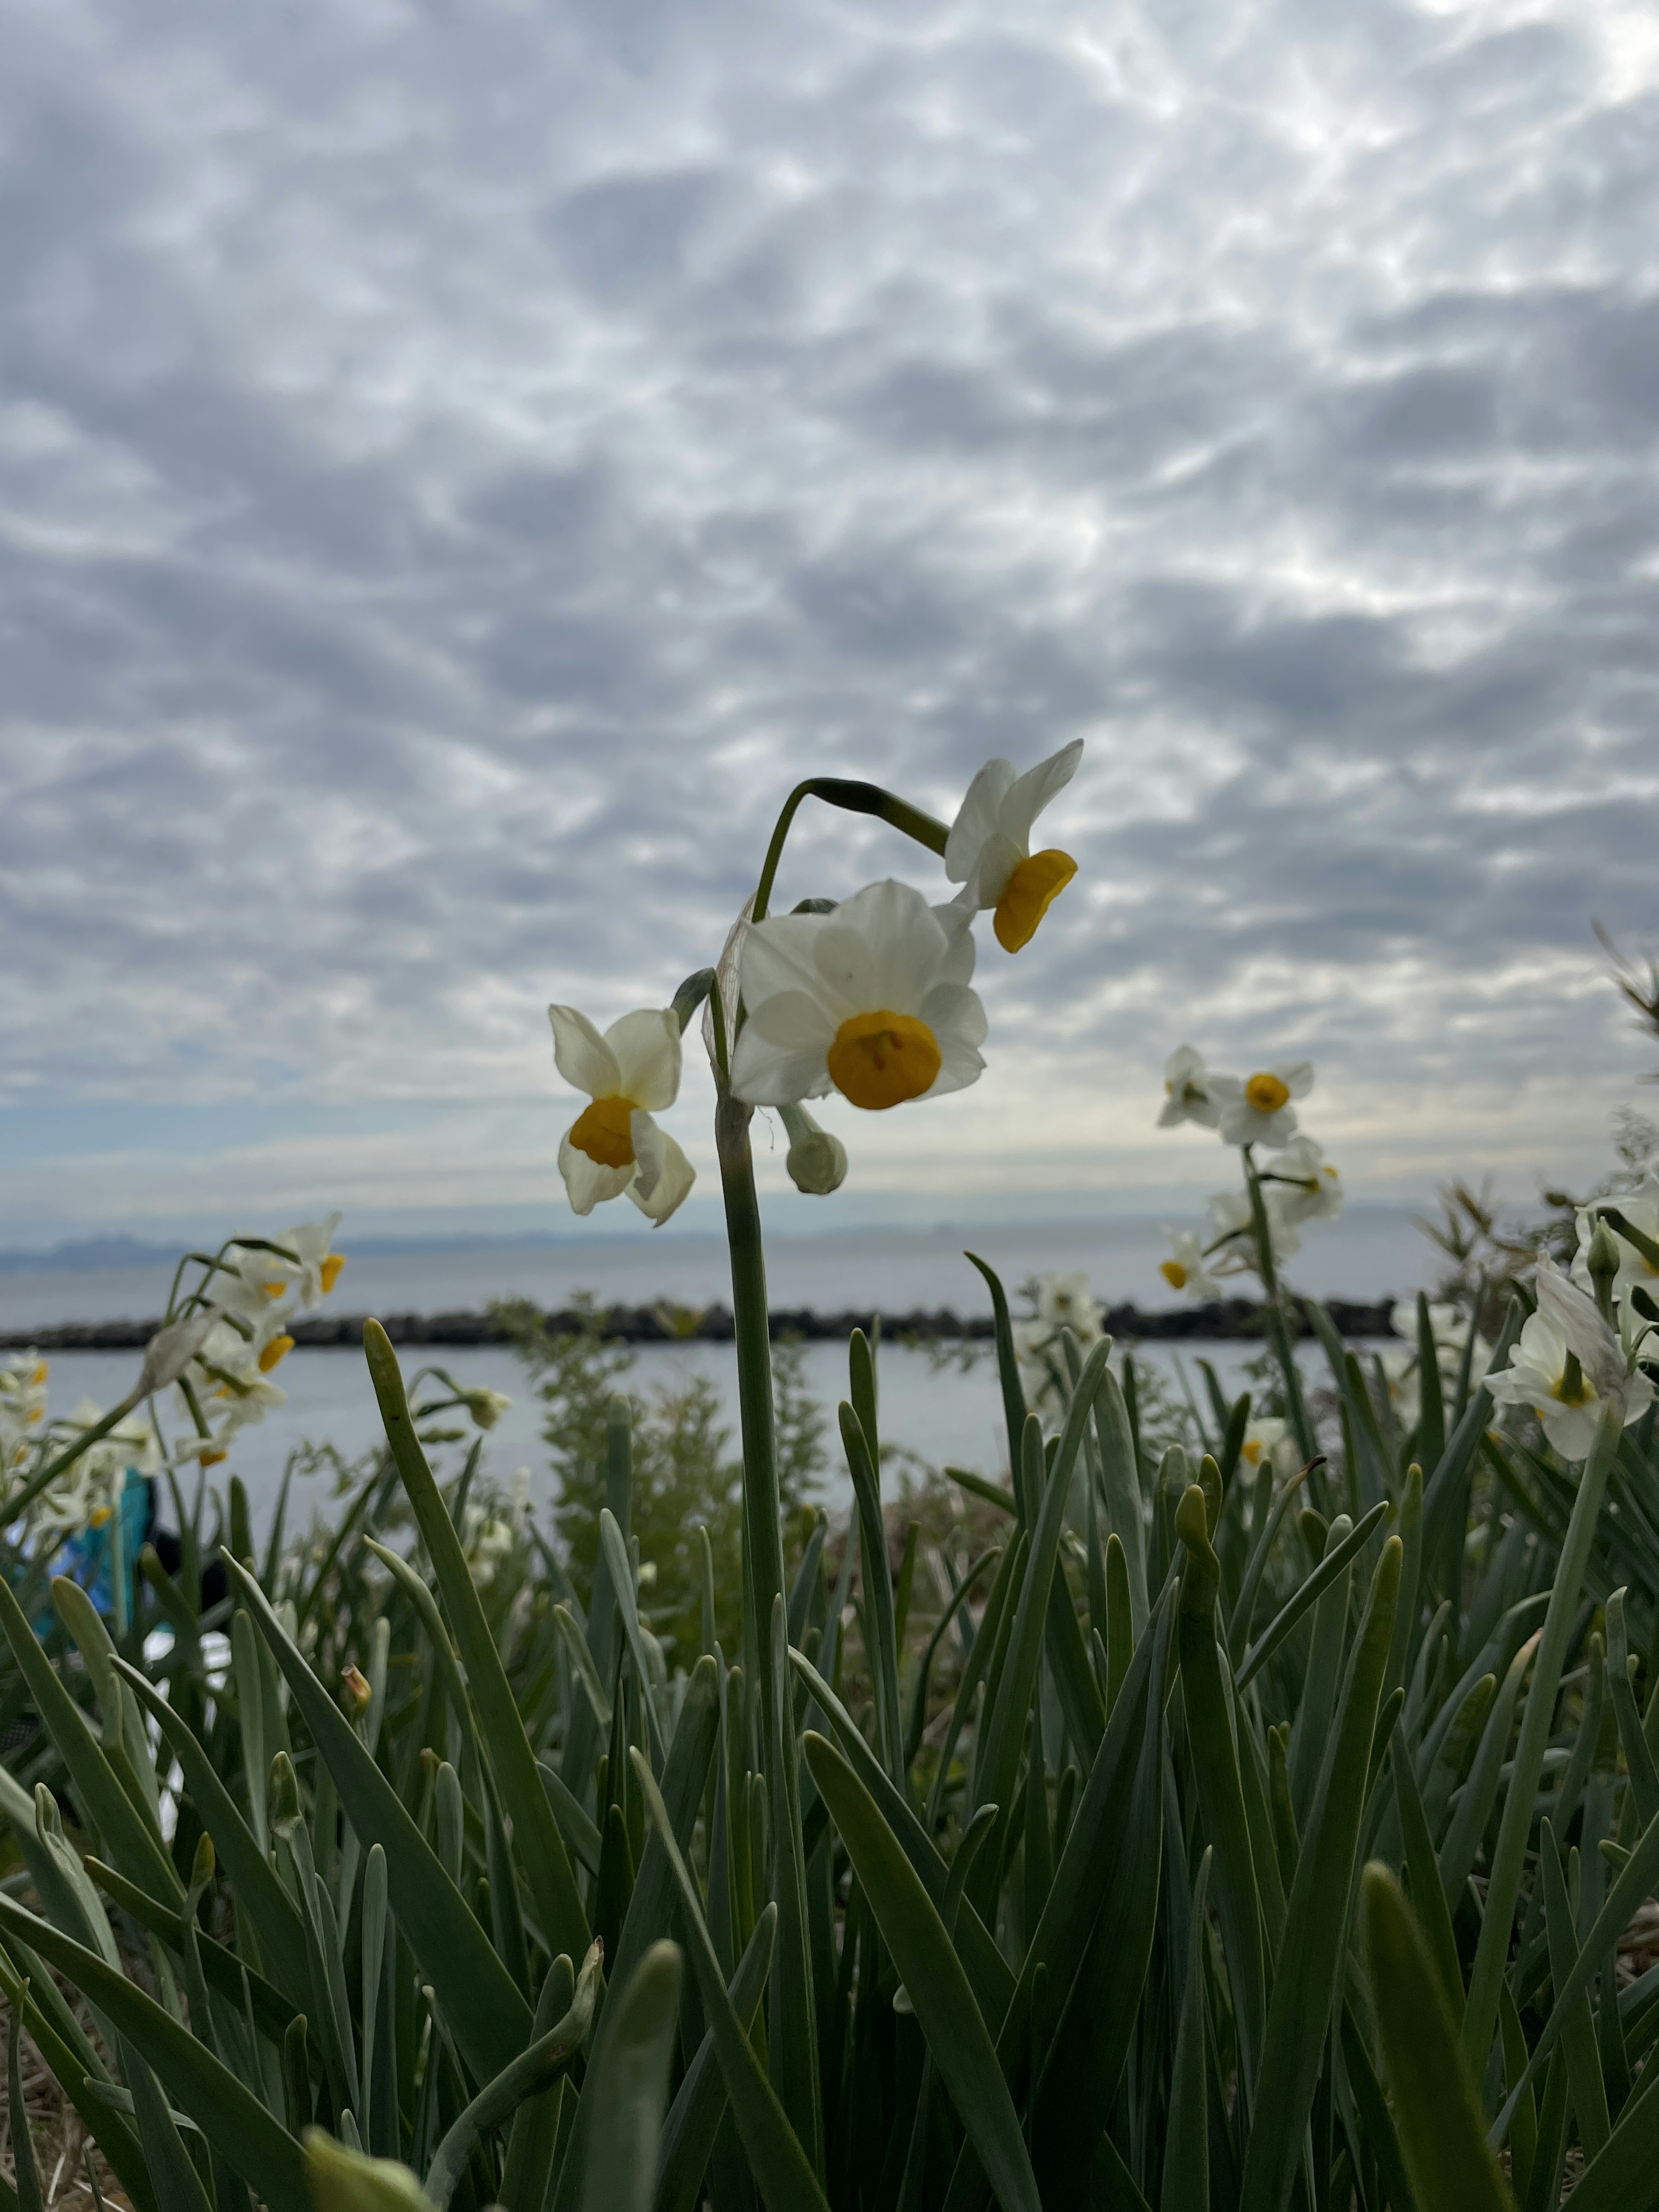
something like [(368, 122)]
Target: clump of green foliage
[(686, 1473)]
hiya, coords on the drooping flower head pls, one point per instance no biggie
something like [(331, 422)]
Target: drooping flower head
[(1258, 1110), (1187, 1091), (614, 1146), (1568, 1364), (989, 852), (871, 1000)]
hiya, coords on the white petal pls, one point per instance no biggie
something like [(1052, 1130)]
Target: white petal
[(780, 955), (645, 1047), (957, 919), (664, 1174), (767, 1074), (586, 1181), (794, 1020), (882, 948), (976, 819), (957, 1017), (581, 1054), (1183, 1063), (1296, 1076), (1026, 799), (999, 856)]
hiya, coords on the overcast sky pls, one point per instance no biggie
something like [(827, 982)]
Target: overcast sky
[(461, 462)]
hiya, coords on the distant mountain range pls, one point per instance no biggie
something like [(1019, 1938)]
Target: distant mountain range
[(87, 1253)]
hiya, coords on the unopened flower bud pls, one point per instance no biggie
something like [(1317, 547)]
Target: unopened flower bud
[(282, 1795), (486, 1406), (817, 1161), (1602, 1260), (358, 1694)]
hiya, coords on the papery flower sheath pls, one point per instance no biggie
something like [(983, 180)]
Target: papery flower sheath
[(989, 850), (871, 1000), (614, 1146)]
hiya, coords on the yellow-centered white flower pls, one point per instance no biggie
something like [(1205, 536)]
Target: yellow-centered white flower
[(1568, 1364), (871, 1000), (614, 1146), (989, 850), (1063, 1301), (1268, 1439), (1187, 1094), (1307, 1187), (1258, 1109), (1188, 1268)]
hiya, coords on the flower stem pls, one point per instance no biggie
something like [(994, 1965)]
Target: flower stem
[(1295, 1404), (762, 1537), (854, 799)]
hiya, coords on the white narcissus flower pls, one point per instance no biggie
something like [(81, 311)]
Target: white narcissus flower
[(1063, 1301), (1187, 1091), (1186, 1269), (1304, 1182), (871, 1000), (171, 1349), (1258, 1110), (613, 1146), (319, 1263), (989, 849), (1568, 1364), (1268, 1439)]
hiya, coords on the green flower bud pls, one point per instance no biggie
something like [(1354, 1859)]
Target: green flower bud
[(817, 1161), (343, 2180), (1602, 1260), (282, 1795)]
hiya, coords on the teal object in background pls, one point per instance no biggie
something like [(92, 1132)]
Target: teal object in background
[(101, 1558)]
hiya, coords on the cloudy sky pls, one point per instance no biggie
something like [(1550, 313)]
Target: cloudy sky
[(461, 461)]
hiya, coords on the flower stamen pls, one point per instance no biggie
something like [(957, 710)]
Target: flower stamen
[(1267, 1093)]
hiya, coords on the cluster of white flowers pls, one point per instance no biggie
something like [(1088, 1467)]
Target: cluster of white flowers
[(1299, 1185), (88, 1490), (22, 1411), (1063, 1301), (220, 1355), (870, 998), (1587, 1347)]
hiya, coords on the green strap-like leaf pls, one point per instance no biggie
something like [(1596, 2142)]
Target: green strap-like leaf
[(1429, 1898), (1014, 1391), (127, 1837), (1328, 1570), (1436, 2106), (1515, 1824), (1315, 1922), (932, 1973), (699, 2106), (270, 1912), (782, 2170), (484, 2007), (1187, 2143), (1472, 1811), (988, 1970), (171, 2167), (535, 2070), (1578, 2029), (234, 2122), (878, 1585), (1638, 1756), (23, 2145), (630, 2086), (1220, 1793), (535, 1837)]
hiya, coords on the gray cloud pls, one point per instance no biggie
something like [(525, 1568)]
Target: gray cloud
[(459, 466)]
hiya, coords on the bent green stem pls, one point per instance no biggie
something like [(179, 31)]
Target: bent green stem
[(854, 798)]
